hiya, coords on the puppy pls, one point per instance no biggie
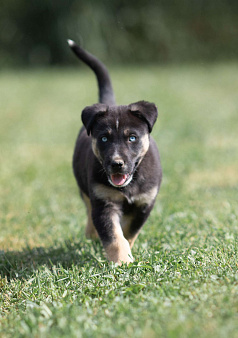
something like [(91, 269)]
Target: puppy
[(116, 164)]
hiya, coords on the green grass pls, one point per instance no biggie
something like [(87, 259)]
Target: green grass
[(184, 281)]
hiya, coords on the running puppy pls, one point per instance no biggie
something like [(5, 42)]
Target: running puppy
[(116, 164)]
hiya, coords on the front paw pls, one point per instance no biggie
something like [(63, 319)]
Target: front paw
[(119, 252)]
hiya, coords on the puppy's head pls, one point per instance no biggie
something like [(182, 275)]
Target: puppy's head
[(120, 137)]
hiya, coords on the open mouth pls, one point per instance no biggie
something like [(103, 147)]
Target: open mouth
[(120, 180)]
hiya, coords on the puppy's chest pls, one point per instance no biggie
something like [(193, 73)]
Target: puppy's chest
[(129, 200)]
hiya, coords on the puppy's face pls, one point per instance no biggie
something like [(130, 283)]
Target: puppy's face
[(119, 141), (120, 137)]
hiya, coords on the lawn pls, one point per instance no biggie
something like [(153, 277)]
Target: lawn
[(184, 281)]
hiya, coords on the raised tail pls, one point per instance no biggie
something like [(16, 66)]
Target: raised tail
[(106, 94)]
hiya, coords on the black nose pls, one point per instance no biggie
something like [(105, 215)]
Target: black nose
[(117, 164)]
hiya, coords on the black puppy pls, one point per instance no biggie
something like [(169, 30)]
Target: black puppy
[(116, 164)]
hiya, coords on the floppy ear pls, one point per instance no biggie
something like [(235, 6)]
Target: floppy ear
[(146, 111), (90, 113)]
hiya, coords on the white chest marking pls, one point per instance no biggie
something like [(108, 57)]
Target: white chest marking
[(117, 125)]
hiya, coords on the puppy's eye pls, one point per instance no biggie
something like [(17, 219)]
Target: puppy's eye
[(132, 138), (104, 139)]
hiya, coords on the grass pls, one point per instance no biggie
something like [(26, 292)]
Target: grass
[(184, 281)]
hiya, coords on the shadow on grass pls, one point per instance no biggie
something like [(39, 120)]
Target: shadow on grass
[(22, 264)]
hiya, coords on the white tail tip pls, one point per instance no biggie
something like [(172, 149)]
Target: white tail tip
[(71, 43)]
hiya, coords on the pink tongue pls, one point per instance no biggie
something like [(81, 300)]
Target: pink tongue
[(118, 179)]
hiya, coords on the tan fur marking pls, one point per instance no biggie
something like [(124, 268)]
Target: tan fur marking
[(90, 231), (132, 239), (95, 149), (119, 250), (116, 157), (107, 193), (145, 144), (126, 223), (146, 197)]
